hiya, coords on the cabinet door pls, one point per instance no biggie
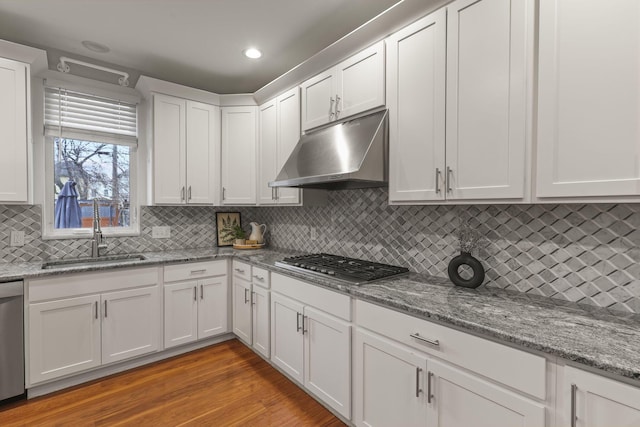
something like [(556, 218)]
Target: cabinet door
[(488, 62), (416, 100), (327, 359), (180, 313), (212, 306), (461, 399), (360, 82), (389, 383), (318, 100), (130, 323), (169, 142), (202, 136), (588, 99), (287, 341), (599, 401), (288, 137), (13, 131), (268, 141), (64, 337), (242, 309), (239, 155), (261, 320)]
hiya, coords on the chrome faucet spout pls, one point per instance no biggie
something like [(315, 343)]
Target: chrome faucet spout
[(97, 242)]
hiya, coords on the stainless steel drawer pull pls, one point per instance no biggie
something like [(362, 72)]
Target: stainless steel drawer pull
[(195, 293), (96, 310), (418, 389), (423, 339), (338, 106), (189, 193), (239, 270), (298, 322), (448, 179), (437, 180), (246, 299), (204, 270), (429, 393), (105, 309), (258, 277), (304, 328), (331, 113), (574, 392), (253, 299), (182, 194), (201, 291)]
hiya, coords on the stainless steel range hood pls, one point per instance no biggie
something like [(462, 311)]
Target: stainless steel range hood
[(349, 154)]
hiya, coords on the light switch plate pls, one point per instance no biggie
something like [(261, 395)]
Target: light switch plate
[(17, 238), (161, 232)]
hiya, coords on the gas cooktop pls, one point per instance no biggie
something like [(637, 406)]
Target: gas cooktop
[(343, 268)]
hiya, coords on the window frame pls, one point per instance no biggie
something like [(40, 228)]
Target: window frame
[(49, 232)]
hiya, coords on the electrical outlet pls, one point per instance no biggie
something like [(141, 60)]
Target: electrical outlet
[(313, 233), (161, 232), (17, 238)]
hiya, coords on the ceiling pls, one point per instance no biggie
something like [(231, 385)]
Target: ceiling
[(196, 43)]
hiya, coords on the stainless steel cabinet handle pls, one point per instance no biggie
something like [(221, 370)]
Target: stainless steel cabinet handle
[(224, 190), (246, 298), (273, 193), (195, 293), (96, 310), (239, 270), (337, 104), (298, 321), (189, 193), (423, 339), (182, 194), (105, 309), (448, 179), (574, 392), (418, 389), (204, 270), (253, 299), (429, 393), (437, 180), (277, 194), (201, 291), (331, 113), (304, 327), (258, 277)]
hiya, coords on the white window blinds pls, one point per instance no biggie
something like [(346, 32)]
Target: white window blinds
[(75, 115)]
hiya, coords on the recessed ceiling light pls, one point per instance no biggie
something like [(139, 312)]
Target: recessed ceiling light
[(252, 53), (95, 46)]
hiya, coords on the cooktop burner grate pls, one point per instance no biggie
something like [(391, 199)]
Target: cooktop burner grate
[(344, 268)]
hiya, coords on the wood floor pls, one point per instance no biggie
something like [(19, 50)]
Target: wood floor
[(222, 385)]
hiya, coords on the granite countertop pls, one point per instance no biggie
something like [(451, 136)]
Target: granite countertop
[(589, 336)]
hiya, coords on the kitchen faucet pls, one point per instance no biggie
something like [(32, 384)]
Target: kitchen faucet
[(97, 241)]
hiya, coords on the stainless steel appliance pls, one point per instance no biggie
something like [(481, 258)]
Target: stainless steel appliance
[(351, 270), (11, 340), (348, 154)]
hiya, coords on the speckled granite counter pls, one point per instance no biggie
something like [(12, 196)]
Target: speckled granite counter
[(592, 337)]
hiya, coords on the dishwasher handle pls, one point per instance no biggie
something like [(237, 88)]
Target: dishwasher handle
[(11, 289)]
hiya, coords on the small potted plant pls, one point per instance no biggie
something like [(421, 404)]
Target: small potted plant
[(238, 234), (469, 239)]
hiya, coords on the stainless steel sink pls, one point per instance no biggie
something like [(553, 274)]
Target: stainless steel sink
[(88, 262)]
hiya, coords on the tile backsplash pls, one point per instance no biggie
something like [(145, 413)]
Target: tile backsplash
[(587, 253)]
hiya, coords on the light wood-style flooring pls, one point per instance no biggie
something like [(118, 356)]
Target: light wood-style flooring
[(222, 385)]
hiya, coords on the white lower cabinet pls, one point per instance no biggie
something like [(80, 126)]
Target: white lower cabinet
[(115, 317), (311, 345), (260, 303), (195, 306), (595, 401), (242, 309)]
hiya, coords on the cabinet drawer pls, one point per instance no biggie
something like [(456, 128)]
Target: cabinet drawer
[(515, 368), (194, 270), (261, 277), (328, 301), (242, 270)]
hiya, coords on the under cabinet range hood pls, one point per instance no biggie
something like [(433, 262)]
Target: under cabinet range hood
[(349, 154)]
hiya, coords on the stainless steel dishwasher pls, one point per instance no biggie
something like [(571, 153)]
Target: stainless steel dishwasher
[(11, 340)]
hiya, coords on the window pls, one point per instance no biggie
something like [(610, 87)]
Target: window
[(90, 155)]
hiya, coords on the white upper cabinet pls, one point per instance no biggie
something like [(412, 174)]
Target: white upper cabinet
[(353, 86), (416, 99), (185, 143), (239, 135), (588, 99), (279, 132), (480, 51), (14, 131)]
